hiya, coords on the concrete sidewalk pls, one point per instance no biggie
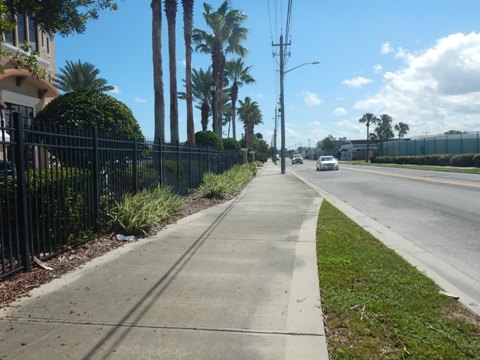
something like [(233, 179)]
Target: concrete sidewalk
[(237, 281)]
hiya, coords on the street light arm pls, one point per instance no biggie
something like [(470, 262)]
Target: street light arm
[(307, 63)]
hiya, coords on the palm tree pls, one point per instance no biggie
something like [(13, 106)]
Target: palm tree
[(201, 81), (187, 34), (250, 114), (368, 119), (402, 129), (171, 12), (78, 76), (225, 38), (238, 74), (159, 107)]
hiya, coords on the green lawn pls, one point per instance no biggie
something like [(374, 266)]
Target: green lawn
[(377, 306), (416, 167)]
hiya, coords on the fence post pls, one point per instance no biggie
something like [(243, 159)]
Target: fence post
[(208, 158), (22, 190), (178, 166), (190, 164), (446, 144), (461, 144), (96, 179), (134, 167), (160, 160), (477, 141)]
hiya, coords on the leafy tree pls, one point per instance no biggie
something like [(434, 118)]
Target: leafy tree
[(402, 129), (63, 17), (83, 110), (249, 112), (225, 37), (329, 143), (159, 107), (238, 74), (384, 128), (453, 132), (170, 12), (187, 33), (231, 144), (80, 76), (368, 119), (201, 81), (208, 138)]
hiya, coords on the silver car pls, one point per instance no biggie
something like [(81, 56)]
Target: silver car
[(327, 163)]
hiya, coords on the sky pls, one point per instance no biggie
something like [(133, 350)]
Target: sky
[(415, 60)]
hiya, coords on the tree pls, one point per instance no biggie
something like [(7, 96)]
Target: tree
[(187, 33), (452, 132), (201, 81), (384, 128), (171, 12), (83, 110), (159, 106), (209, 138), (402, 129), (225, 38), (328, 144), (368, 119), (80, 76), (238, 74), (63, 17), (249, 112)]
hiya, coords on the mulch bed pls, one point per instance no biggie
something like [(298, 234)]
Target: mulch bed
[(20, 284)]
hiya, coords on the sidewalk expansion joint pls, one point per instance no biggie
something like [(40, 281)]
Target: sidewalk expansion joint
[(160, 327)]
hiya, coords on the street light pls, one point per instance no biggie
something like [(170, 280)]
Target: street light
[(213, 89), (282, 101)]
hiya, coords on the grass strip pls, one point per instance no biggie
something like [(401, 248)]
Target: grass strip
[(377, 306), (416, 167)]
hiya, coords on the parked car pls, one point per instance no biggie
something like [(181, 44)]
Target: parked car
[(297, 159), (327, 163), (7, 168)]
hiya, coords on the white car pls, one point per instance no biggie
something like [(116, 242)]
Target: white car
[(327, 163)]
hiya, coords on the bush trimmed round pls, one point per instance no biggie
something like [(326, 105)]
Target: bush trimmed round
[(208, 138), (231, 144)]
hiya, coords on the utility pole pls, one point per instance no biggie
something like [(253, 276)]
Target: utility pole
[(282, 103)]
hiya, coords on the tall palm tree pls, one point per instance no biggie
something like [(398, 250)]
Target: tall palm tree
[(225, 37), (201, 81), (77, 76), (402, 129), (159, 107), (238, 74), (171, 12), (187, 34), (368, 119), (250, 114)]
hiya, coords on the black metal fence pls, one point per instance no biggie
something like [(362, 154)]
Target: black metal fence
[(57, 187)]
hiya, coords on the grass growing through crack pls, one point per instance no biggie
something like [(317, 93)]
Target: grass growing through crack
[(377, 306)]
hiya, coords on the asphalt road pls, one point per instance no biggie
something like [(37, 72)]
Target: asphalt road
[(437, 211)]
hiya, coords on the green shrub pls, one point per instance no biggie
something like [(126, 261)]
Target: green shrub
[(208, 138), (443, 159), (223, 186), (138, 213), (462, 160), (476, 160), (231, 144)]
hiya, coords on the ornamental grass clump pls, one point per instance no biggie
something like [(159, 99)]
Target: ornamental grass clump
[(138, 213), (225, 185)]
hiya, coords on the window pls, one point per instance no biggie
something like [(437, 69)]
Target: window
[(10, 36), (32, 34), (21, 29)]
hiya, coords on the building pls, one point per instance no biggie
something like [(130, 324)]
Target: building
[(357, 149), (19, 90)]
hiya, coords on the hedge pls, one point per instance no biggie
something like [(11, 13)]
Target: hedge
[(460, 160)]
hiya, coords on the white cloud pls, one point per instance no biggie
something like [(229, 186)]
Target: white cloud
[(386, 48), (378, 69), (357, 82), (311, 99), (340, 111), (258, 95), (437, 89), (140, 100), (116, 90)]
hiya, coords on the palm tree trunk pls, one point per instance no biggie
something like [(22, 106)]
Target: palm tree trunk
[(234, 95), (217, 56), (205, 110), (171, 11), (187, 24), (159, 107)]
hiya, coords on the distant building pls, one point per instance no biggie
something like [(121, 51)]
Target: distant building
[(19, 90), (357, 149)]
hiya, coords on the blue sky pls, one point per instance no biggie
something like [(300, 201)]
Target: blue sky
[(416, 60)]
